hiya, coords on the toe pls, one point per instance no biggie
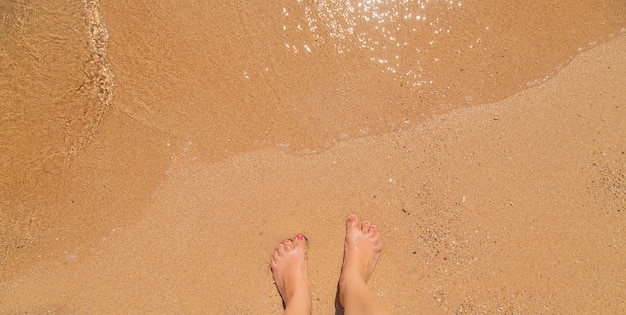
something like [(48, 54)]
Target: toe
[(352, 221), (373, 230), (275, 256), (299, 242), (365, 228), (280, 250), (288, 245)]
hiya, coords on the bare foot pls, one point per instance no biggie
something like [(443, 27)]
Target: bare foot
[(361, 251), (290, 272)]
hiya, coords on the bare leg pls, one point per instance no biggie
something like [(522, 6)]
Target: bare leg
[(290, 272), (361, 250)]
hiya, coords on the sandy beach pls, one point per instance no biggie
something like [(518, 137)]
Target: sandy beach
[(121, 193)]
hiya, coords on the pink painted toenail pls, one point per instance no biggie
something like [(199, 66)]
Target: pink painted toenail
[(373, 227), (300, 237)]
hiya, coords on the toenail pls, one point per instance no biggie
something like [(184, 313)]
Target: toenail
[(373, 227), (300, 237)]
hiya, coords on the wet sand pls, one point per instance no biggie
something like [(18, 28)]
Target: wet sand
[(145, 203)]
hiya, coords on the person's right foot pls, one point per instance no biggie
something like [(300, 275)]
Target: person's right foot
[(361, 251)]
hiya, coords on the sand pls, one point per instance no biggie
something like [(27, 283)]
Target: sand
[(138, 201)]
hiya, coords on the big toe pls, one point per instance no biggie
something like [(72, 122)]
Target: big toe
[(352, 222), (299, 241)]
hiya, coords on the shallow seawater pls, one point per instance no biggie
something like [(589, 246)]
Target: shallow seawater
[(303, 74), (295, 74)]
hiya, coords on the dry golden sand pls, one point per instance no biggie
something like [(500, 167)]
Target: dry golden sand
[(517, 206), (513, 207)]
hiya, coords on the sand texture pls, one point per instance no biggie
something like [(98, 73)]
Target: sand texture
[(138, 201)]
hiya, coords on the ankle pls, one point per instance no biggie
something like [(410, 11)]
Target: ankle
[(300, 300), (349, 283), (350, 279), (300, 292)]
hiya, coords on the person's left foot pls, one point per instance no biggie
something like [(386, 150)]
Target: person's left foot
[(290, 272)]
